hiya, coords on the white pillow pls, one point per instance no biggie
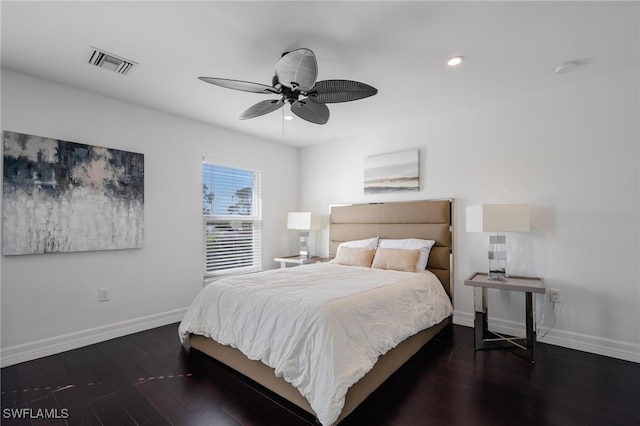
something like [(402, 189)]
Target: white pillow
[(411, 244), (369, 243)]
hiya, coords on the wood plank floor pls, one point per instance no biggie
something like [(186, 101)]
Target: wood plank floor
[(146, 379)]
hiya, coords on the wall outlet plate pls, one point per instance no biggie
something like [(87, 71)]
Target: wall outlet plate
[(554, 295), (103, 294)]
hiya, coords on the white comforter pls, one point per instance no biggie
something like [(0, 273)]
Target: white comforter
[(321, 327)]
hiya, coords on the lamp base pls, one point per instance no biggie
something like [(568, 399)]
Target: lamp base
[(304, 245), (498, 275), (497, 257)]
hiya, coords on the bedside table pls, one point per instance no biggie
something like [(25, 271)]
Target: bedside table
[(486, 339), (297, 260)]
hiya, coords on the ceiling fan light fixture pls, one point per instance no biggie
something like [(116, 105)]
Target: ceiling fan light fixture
[(455, 61), (295, 76)]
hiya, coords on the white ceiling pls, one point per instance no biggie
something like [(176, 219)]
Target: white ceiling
[(401, 48)]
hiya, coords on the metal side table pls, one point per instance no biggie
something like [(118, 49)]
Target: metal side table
[(486, 339)]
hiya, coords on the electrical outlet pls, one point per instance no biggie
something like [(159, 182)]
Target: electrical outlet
[(103, 294), (554, 295)]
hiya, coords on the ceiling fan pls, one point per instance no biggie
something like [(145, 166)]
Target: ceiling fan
[(296, 74)]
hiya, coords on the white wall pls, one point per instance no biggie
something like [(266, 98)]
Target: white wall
[(572, 154), (50, 302)]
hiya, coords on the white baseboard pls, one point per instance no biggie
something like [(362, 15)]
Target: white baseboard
[(28, 351), (597, 345), (53, 345)]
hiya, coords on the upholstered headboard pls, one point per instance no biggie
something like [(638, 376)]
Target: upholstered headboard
[(430, 220)]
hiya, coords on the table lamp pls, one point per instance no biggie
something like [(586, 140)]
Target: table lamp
[(498, 218), (304, 222)]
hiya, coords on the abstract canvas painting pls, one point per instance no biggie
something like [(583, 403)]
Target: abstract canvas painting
[(394, 172), (64, 196)]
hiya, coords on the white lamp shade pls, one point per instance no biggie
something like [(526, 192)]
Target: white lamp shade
[(498, 218), (304, 221)]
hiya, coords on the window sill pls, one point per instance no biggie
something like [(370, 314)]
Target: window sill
[(207, 279)]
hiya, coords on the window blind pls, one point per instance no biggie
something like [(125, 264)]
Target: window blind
[(231, 207)]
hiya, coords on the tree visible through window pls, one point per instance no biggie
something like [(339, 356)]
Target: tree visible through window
[(232, 219)]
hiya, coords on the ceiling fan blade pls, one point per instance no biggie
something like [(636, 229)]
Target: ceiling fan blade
[(334, 91), (245, 86), (297, 70), (262, 108), (310, 111)]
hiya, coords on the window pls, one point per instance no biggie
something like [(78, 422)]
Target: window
[(232, 220)]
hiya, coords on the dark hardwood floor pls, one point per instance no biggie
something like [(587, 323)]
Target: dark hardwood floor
[(146, 379)]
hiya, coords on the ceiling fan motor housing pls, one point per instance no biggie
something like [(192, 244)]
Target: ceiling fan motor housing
[(290, 95)]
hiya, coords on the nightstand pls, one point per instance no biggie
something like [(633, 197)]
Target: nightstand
[(297, 260), (486, 339)]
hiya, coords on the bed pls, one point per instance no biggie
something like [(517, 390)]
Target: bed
[(292, 368)]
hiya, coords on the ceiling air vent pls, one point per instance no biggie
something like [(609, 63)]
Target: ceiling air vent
[(109, 61)]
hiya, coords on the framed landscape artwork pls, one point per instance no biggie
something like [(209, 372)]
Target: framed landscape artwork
[(64, 196), (394, 172)]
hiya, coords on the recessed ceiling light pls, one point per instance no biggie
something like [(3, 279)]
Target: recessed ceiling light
[(288, 117), (455, 60)]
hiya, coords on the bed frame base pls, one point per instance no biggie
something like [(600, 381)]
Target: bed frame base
[(386, 365)]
